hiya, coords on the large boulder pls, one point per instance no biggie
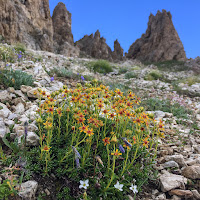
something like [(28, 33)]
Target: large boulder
[(160, 42), (63, 38), (28, 22)]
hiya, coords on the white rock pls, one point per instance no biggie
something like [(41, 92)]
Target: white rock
[(32, 139), (5, 112), (5, 96), (25, 88), (28, 189), (19, 108), (171, 164), (172, 181), (177, 158), (3, 129), (161, 197)]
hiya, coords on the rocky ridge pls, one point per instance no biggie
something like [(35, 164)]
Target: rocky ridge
[(29, 22), (178, 160)]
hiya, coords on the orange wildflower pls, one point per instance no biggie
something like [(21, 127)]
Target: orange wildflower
[(106, 141)]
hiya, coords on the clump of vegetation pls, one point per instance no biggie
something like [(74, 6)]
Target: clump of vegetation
[(100, 66), (153, 104), (129, 75), (15, 78), (10, 54), (171, 65), (191, 80), (123, 70), (95, 139), (153, 75), (63, 72), (19, 47), (99, 139)]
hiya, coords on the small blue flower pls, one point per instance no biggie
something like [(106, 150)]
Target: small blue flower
[(121, 148), (77, 162), (19, 56), (78, 74), (82, 78), (52, 78), (77, 154)]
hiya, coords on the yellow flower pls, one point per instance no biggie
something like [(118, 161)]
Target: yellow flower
[(116, 153), (46, 148), (145, 142)]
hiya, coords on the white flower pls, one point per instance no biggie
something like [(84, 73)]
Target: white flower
[(134, 188), (84, 184), (119, 186)]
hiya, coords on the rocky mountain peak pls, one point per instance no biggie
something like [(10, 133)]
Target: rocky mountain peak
[(62, 35), (118, 53), (160, 42)]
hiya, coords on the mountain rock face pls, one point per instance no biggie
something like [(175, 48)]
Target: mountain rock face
[(160, 42), (62, 36), (95, 46), (118, 53), (27, 21)]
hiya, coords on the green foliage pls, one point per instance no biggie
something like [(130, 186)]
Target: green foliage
[(191, 80), (5, 190), (62, 72), (100, 66), (19, 47), (171, 65), (153, 104), (15, 78), (129, 75), (153, 75), (123, 70), (113, 86)]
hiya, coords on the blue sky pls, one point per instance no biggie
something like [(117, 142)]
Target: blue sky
[(126, 20)]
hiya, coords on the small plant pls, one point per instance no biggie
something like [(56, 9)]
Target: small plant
[(62, 72), (129, 75), (171, 65), (176, 109), (123, 70), (10, 186), (20, 48), (100, 66), (153, 75), (15, 78), (191, 80)]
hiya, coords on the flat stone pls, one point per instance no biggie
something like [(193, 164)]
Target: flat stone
[(181, 193), (196, 194), (171, 181), (171, 164), (177, 158), (192, 172)]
